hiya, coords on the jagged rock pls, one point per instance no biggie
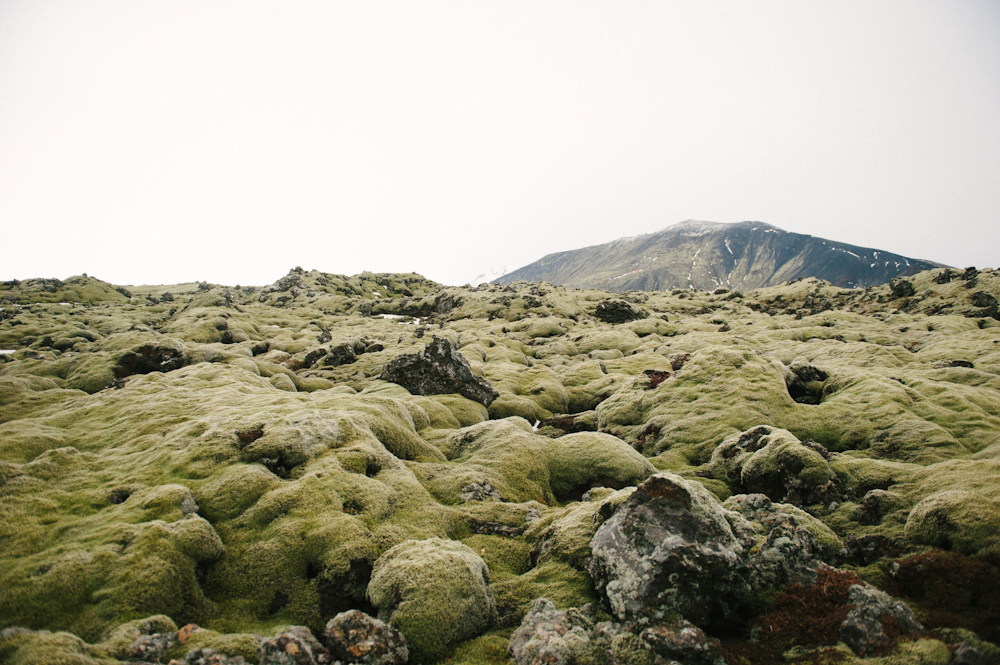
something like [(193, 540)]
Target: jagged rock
[(618, 311), (983, 299), (684, 642), (866, 550), (671, 548), (864, 628), (342, 354), (151, 648), (355, 637), (439, 370), (572, 423), (161, 357), (901, 288), (966, 654), (480, 492), (786, 550), (295, 646), (551, 636)]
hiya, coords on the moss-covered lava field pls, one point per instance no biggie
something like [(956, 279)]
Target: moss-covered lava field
[(230, 457)]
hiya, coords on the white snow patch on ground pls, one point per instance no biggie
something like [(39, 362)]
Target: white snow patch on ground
[(6, 352), (728, 247)]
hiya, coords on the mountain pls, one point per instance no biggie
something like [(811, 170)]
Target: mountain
[(709, 255)]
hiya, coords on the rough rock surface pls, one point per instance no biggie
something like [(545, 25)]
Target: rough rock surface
[(865, 628), (355, 637), (295, 646), (684, 642), (439, 370), (672, 549), (618, 311), (552, 636)]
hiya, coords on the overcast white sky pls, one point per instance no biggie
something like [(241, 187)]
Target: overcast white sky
[(160, 142)]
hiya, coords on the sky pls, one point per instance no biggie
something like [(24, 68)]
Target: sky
[(149, 142)]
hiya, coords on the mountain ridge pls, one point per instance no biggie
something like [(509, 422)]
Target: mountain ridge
[(708, 255)]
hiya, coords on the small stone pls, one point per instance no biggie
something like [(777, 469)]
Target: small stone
[(863, 629), (355, 637), (684, 642)]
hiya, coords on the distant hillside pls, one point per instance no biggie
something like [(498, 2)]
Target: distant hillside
[(709, 255)]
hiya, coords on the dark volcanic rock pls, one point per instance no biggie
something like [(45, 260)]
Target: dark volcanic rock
[(618, 311), (439, 370), (342, 354), (864, 629), (671, 547), (683, 642), (295, 646), (147, 358), (901, 288), (355, 637)]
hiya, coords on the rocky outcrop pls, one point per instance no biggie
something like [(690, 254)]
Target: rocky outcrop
[(872, 613), (567, 637), (439, 370), (618, 311), (355, 637), (672, 549)]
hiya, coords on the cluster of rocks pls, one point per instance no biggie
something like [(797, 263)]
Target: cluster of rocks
[(677, 567), (350, 637)]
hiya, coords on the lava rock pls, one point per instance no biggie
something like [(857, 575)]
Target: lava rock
[(618, 311), (162, 357), (551, 636), (355, 637), (295, 646), (864, 629), (342, 354), (786, 550), (671, 547), (983, 299), (208, 656), (901, 288), (684, 642), (480, 492), (805, 382), (151, 648), (439, 370)]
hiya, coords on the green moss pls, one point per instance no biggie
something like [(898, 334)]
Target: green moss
[(555, 579), (965, 521), (434, 592), (42, 648), (484, 650), (228, 645)]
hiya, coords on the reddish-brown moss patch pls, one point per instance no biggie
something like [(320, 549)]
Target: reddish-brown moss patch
[(801, 615), (951, 590)]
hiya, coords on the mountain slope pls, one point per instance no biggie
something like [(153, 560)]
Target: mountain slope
[(708, 255)]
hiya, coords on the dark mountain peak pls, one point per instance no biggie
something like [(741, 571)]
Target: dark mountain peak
[(708, 255)]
